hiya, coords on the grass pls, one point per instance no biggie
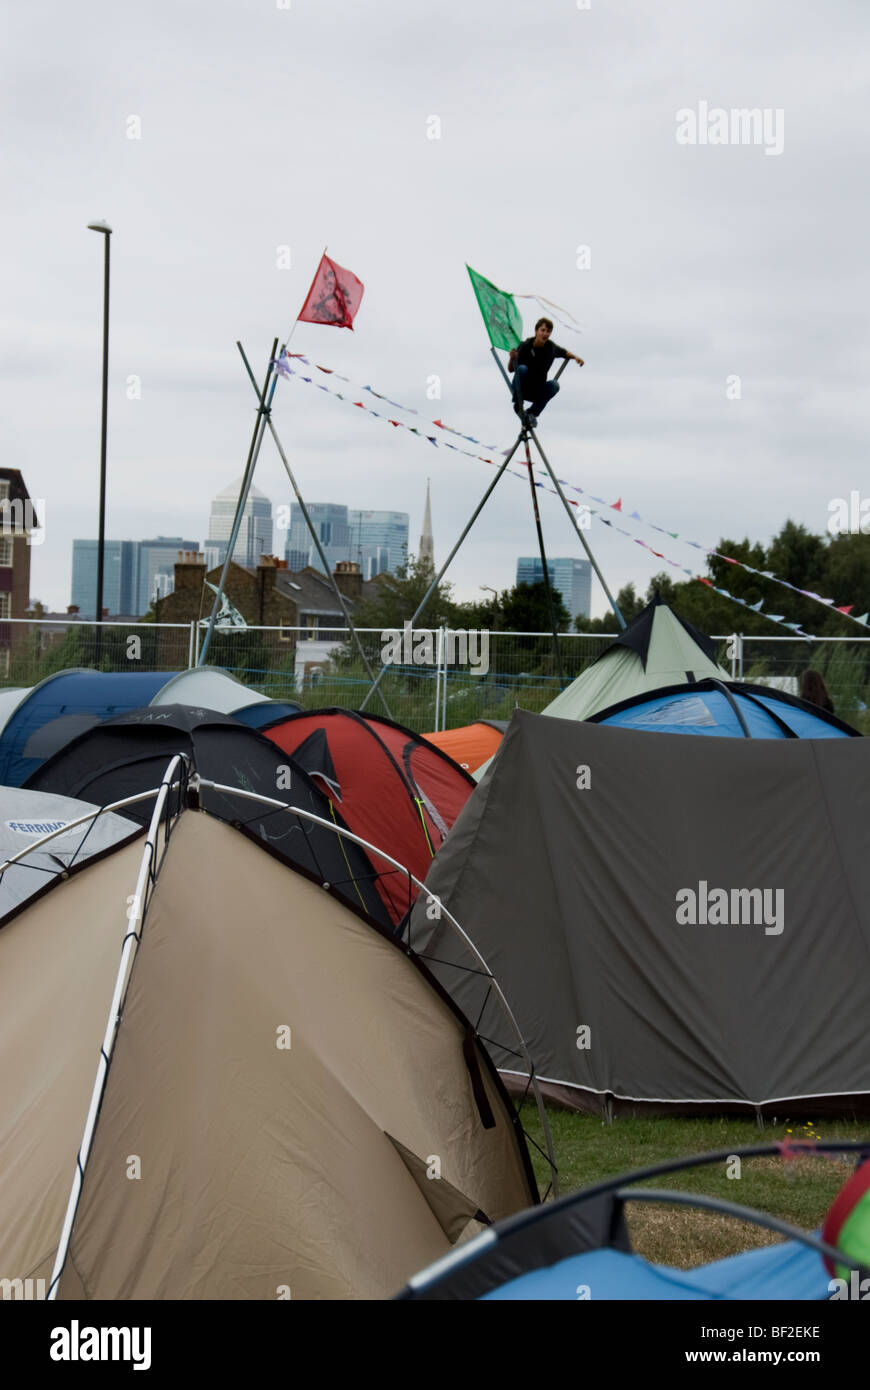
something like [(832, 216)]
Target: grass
[(796, 1190)]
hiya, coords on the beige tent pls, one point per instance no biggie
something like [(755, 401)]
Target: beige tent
[(293, 1107)]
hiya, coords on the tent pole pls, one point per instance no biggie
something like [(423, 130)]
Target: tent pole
[(567, 505), (443, 570), (545, 572), (130, 946), (253, 454), (314, 536), (544, 567)]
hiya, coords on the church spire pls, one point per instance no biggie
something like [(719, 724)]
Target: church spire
[(427, 544)]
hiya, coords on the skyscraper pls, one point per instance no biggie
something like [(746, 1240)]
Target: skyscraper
[(378, 541), (120, 577), (157, 558), (572, 578), (134, 572), (255, 532)]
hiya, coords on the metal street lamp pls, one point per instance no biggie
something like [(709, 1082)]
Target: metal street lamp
[(107, 232)]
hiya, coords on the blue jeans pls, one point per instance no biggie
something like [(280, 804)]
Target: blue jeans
[(545, 394)]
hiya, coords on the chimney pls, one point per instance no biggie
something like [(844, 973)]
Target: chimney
[(348, 577), (189, 570)]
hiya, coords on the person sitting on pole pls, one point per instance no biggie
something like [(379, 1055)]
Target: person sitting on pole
[(530, 363)]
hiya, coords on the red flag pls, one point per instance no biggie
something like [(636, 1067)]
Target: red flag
[(334, 297)]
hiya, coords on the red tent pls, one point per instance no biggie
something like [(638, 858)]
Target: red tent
[(393, 788)]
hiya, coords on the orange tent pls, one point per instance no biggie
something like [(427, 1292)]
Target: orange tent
[(471, 745)]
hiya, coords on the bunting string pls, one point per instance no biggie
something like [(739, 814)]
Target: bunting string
[(282, 365)]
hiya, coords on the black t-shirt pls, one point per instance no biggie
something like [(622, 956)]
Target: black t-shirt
[(538, 360)]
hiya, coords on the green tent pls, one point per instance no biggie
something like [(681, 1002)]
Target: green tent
[(659, 648)]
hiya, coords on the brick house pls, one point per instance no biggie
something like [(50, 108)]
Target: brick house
[(17, 520), (270, 596)]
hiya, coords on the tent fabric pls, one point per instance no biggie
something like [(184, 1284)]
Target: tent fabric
[(58, 961), (711, 708), (394, 788), (577, 868), (208, 686), (785, 1271), (10, 698), (266, 1170), (129, 755), (265, 712), (471, 745), (42, 719), (27, 817), (658, 648)]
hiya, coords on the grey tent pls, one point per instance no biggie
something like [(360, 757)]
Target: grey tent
[(293, 1107), (27, 818), (675, 922)]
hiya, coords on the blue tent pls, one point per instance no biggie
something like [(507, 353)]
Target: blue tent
[(580, 1247), (266, 712), (64, 706), (729, 709)]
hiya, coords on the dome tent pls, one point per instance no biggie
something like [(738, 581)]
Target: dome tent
[(583, 1240), (659, 648), (316, 1150), (128, 755), (677, 897), (729, 709), (393, 788)]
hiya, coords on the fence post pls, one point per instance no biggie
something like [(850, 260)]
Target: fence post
[(445, 649), (437, 681)]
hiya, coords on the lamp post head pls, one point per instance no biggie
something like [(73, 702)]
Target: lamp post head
[(100, 227)]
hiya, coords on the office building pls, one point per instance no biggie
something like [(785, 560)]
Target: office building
[(255, 532), (571, 577), (379, 541)]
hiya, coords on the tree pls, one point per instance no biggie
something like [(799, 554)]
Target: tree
[(399, 596)]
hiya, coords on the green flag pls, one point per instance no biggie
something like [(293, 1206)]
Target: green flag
[(500, 314)]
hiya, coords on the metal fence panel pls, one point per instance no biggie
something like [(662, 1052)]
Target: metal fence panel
[(435, 679)]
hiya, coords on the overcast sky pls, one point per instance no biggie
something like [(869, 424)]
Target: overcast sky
[(264, 127)]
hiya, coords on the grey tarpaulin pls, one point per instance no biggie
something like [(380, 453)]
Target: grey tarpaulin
[(572, 894)]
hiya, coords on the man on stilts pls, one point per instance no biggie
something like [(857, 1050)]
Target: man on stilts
[(530, 363)]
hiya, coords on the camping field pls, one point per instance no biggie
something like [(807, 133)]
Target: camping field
[(797, 1190)]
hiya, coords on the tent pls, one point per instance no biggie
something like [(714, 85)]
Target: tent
[(658, 648), (28, 817), (36, 722), (472, 744), (128, 755), (729, 709), (63, 706), (676, 923), (265, 712), (210, 687), (283, 1078), (393, 788), (580, 1248)]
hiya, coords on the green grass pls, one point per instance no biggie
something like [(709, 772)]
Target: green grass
[(798, 1190)]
